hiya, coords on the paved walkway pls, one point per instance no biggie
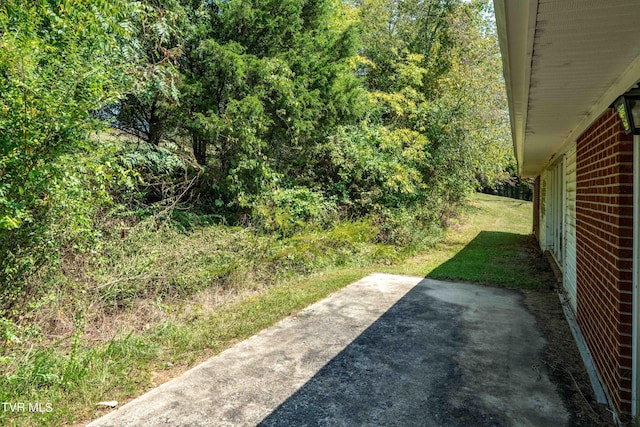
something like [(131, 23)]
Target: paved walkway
[(384, 351)]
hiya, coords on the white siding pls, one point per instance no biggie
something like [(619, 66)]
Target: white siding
[(553, 216), (543, 210), (569, 268)]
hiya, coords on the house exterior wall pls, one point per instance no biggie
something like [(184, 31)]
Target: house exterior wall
[(604, 247), (536, 208), (555, 210), (569, 278), (543, 211)]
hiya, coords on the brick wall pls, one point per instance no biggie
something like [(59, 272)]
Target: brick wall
[(536, 208), (604, 209)]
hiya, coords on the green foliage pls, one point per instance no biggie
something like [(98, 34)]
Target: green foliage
[(263, 84), (368, 167), (395, 31), (148, 110), (484, 115), (413, 230), (43, 115), (58, 62), (169, 264), (289, 210), (433, 69), (163, 176)]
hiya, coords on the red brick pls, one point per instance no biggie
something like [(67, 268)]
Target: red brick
[(604, 225)]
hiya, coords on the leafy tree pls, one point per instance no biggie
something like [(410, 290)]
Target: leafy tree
[(369, 167), (394, 29), (474, 92), (155, 52), (436, 108), (264, 82), (59, 60)]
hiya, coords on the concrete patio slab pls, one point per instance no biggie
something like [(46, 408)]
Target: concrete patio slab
[(386, 350)]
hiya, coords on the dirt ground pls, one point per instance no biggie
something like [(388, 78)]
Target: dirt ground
[(561, 355)]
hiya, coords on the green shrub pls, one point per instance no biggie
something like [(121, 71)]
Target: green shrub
[(56, 66), (409, 229), (290, 210), (163, 173), (367, 167)]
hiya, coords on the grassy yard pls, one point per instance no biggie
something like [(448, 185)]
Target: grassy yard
[(71, 375), (485, 246)]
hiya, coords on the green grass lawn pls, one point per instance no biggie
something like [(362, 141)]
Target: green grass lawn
[(492, 257), (485, 245)]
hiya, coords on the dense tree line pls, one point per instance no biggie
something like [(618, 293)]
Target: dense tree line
[(268, 113)]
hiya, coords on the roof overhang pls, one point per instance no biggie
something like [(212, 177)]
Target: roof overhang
[(565, 62)]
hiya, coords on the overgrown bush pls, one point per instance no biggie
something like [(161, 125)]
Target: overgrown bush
[(409, 230), (56, 66), (77, 219), (286, 211), (367, 167), (165, 173)]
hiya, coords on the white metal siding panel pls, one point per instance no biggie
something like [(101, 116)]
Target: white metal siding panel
[(553, 215), (558, 211), (569, 270), (561, 210), (543, 210)]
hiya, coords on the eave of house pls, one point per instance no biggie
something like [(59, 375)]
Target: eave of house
[(565, 62)]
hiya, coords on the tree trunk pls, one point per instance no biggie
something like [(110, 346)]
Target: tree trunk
[(155, 125), (199, 149)]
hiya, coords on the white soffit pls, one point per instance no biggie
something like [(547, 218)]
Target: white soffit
[(565, 62)]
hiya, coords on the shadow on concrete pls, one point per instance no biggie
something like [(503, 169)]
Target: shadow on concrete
[(401, 371)]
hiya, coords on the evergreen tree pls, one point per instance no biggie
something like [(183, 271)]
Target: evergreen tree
[(264, 81)]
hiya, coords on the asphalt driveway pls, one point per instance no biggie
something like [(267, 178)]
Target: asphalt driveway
[(386, 350)]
